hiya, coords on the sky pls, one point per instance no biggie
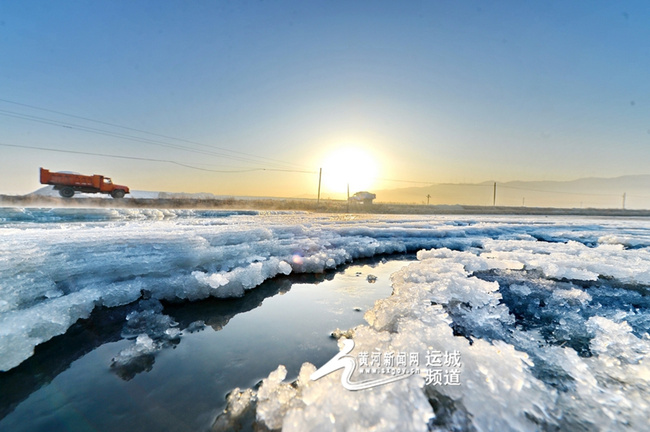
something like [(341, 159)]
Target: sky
[(160, 95)]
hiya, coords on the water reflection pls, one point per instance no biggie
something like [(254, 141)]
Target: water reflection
[(55, 356), (197, 352), (107, 325)]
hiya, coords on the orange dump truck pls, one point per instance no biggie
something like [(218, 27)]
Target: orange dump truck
[(67, 184)]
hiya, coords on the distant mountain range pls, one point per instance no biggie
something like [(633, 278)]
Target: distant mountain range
[(585, 192)]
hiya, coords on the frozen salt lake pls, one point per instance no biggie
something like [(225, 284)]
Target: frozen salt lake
[(547, 319)]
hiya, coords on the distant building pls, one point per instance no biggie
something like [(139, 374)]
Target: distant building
[(362, 198)]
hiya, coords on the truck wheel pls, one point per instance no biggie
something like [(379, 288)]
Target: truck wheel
[(66, 192), (118, 193)]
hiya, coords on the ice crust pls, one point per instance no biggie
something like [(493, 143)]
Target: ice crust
[(544, 344), (550, 316), (152, 331), (306, 405), (56, 265)]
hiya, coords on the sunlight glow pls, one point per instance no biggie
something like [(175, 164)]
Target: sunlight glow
[(349, 164)]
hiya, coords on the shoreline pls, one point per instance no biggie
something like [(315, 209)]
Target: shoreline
[(325, 206)]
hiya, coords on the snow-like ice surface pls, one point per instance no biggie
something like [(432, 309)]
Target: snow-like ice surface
[(549, 315), (551, 323)]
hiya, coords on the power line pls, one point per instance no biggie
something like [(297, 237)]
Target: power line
[(120, 135), (212, 147), (153, 160), (142, 131)]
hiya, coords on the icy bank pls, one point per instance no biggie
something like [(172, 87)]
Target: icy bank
[(549, 336), (56, 266)]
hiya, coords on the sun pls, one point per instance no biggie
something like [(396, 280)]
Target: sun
[(349, 165)]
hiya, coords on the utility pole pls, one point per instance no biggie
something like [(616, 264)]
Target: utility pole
[(428, 196), (523, 202), (320, 176), (494, 197), (624, 193), (348, 197)]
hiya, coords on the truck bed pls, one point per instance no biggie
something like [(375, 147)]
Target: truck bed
[(65, 179)]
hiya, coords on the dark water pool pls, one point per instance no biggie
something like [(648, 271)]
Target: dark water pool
[(69, 384)]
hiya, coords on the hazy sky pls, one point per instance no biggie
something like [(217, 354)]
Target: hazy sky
[(440, 91)]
